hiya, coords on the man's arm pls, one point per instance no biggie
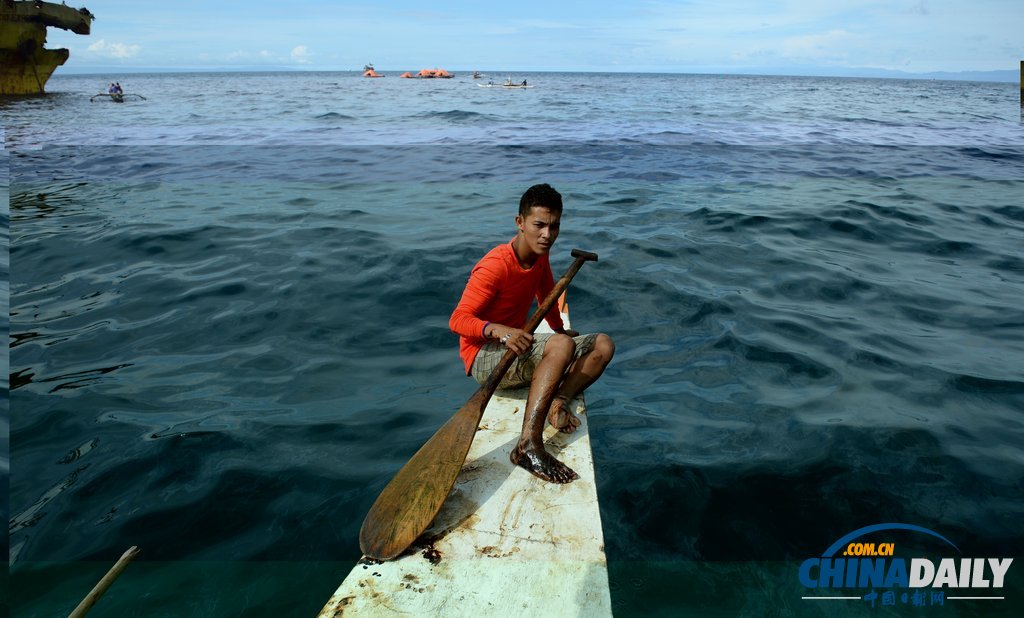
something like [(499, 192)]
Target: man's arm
[(467, 319), (480, 289)]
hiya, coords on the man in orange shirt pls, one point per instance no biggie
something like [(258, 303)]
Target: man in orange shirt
[(490, 317)]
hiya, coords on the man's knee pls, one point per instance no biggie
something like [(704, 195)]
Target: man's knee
[(561, 346), (604, 347)]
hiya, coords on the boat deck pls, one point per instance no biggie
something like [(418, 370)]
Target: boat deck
[(504, 541)]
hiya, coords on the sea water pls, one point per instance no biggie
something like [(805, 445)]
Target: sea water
[(229, 305)]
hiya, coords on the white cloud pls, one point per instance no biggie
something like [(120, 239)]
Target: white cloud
[(113, 50), (301, 54)]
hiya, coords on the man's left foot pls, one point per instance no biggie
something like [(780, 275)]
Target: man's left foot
[(541, 464), (560, 417)]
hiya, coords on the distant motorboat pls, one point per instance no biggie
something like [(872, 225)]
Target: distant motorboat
[(368, 71)]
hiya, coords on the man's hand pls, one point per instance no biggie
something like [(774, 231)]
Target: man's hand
[(519, 341)]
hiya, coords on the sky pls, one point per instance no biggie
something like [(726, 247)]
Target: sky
[(824, 37)]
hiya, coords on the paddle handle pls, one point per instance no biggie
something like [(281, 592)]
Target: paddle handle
[(542, 310)]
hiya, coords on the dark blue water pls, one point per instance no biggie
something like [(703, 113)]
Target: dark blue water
[(229, 305)]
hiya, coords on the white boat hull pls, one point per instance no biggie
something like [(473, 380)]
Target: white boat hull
[(504, 543), (512, 87)]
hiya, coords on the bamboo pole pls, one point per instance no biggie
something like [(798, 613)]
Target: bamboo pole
[(101, 587)]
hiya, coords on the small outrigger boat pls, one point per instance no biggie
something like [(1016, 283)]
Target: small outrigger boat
[(116, 97), (503, 542)]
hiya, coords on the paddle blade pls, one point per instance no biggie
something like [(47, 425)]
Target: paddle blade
[(409, 503)]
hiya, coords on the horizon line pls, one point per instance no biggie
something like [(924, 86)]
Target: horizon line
[(995, 76)]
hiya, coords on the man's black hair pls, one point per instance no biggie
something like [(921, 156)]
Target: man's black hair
[(540, 195)]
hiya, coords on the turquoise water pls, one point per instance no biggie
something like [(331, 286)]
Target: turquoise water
[(229, 304)]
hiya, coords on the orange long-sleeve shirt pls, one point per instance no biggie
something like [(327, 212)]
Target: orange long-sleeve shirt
[(500, 291)]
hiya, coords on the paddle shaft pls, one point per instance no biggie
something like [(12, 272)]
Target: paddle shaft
[(409, 503), (101, 587)]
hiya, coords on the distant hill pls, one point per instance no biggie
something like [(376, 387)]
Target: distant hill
[(973, 76), (1012, 75)]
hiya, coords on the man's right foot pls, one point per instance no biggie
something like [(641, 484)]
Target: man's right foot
[(541, 464)]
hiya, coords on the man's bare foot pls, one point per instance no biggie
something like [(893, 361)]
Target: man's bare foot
[(541, 464), (560, 417)]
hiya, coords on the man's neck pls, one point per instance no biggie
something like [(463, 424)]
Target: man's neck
[(526, 257)]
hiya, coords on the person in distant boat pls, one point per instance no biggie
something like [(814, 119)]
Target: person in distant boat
[(112, 89), (490, 317), (117, 86), (524, 83)]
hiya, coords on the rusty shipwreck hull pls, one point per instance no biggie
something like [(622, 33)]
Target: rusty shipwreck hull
[(25, 63)]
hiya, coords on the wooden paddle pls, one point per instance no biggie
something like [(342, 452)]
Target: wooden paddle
[(413, 498)]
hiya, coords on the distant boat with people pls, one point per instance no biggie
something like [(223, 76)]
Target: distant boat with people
[(117, 97), (115, 93)]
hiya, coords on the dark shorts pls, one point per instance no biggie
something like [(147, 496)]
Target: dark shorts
[(522, 369)]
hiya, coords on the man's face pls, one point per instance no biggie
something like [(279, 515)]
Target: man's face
[(540, 229)]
